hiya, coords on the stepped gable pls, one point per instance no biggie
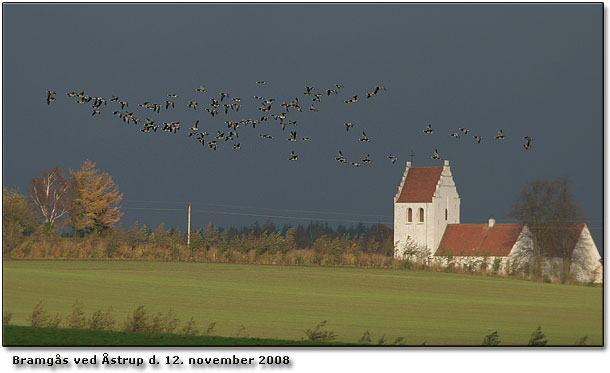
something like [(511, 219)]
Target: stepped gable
[(420, 184), (479, 239)]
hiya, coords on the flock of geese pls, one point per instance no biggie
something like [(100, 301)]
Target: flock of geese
[(225, 103)]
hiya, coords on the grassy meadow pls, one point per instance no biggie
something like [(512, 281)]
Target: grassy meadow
[(280, 302)]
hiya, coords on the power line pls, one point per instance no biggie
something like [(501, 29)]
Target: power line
[(268, 208), (259, 215), (290, 217)]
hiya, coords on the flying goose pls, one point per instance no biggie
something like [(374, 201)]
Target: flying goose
[(428, 130), (436, 155), (50, 97), (393, 158), (348, 125), (477, 138), (364, 138), (500, 135), (293, 157)]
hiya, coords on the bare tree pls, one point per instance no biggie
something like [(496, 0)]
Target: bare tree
[(566, 226), (50, 194), (553, 220)]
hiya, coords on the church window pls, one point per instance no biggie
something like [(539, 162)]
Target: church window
[(421, 215), (409, 215), (446, 214)]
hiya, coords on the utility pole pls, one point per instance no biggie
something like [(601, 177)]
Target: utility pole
[(188, 229)]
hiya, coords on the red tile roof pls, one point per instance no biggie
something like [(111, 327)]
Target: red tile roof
[(479, 239), (420, 184)]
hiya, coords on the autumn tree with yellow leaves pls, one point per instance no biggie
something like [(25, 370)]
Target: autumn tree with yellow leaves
[(95, 200)]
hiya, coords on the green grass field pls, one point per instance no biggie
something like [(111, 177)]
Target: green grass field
[(282, 302), (13, 335)]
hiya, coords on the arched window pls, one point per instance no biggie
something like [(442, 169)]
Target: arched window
[(421, 215), (446, 214), (409, 215)]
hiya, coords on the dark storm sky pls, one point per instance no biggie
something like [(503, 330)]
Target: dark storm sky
[(526, 69)]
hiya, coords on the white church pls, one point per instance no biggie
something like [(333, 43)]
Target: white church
[(427, 213)]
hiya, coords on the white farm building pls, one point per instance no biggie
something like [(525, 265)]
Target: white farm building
[(427, 215)]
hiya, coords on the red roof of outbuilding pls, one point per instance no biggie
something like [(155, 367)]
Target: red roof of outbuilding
[(479, 239), (420, 184)]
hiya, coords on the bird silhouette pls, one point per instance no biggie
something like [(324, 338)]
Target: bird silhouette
[(500, 135), (428, 130), (436, 156), (477, 138), (293, 157), (364, 138), (392, 158), (348, 125)]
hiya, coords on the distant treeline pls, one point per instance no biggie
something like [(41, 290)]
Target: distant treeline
[(314, 244)]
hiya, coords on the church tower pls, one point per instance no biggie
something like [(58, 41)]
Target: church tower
[(426, 201)]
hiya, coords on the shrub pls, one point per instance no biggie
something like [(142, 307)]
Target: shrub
[(210, 329), (241, 332), (6, 318), (538, 338), (54, 321), (170, 322), (366, 338), (399, 341), (101, 320), (318, 333), (39, 316), (155, 324), (138, 322), (77, 319), (582, 341), (492, 339), (190, 328), (381, 340)]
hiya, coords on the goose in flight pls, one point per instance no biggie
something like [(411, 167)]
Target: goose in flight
[(173, 95), (378, 88), (194, 128), (193, 104), (477, 138), (261, 82), (308, 91), (355, 164), (428, 130), (393, 158), (456, 135), (50, 97), (500, 135), (236, 146), (293, 157), (223, 95), (341, 158), (436, 156), (464, 130), (364, 138), (528, 141), (313, 108), (201, 89), (168, 104), (348, 125), (352, 100), (266, 136), (293, 136), (306, 139), (367, 159), (339, 86)]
